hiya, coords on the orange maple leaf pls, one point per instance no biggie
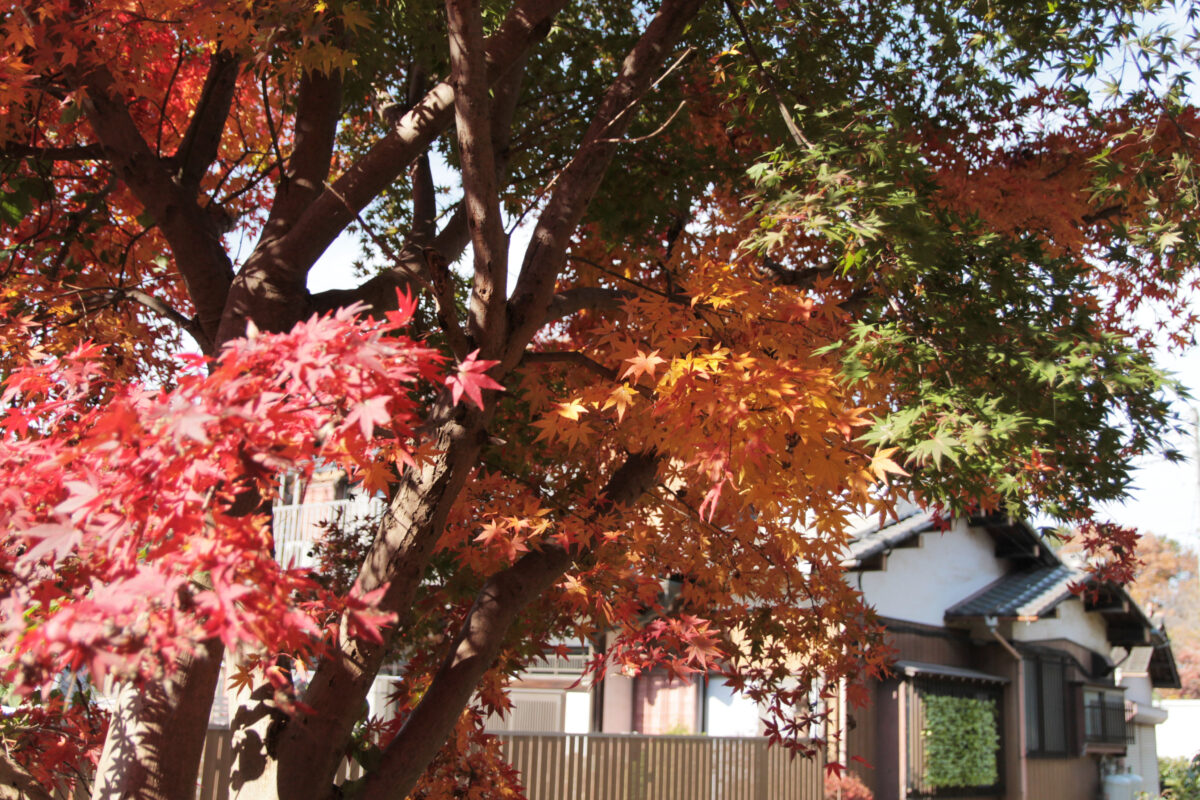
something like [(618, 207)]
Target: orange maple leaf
[(642, 363)]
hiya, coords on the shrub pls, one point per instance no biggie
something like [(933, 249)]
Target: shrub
[(1180, 778)]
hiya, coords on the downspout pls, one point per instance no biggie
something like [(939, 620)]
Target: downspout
[(1022, 760)]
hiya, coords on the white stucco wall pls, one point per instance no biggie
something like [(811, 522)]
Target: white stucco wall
[(1073, 624), (918, 584), (1137, 687)]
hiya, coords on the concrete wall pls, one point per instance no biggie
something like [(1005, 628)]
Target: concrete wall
[(1179, 736)]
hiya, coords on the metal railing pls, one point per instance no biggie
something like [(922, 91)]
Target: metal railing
[(297, 527), (1104, 719)]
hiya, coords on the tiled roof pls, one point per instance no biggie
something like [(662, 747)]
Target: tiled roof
[(1029, 593), (873, 541)]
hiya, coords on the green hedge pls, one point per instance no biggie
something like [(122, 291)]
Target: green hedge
[(961, 741)]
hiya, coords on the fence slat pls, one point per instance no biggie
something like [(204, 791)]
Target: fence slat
[(598, 766)]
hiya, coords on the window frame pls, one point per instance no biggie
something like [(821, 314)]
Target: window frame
[(1040, 691)]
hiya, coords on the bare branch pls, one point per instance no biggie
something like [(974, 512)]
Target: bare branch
[(656, 131), (772, 85), (579, 181), (158, 306)]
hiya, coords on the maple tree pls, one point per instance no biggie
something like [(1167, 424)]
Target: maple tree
[(1168, 586), (785, 264)]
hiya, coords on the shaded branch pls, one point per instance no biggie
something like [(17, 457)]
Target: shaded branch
[(202, 139), (17, 783), (193, 235), (589, 298), (573, 357), (80, 152), (481, 200), (318, 109), (579, 181), (415, 266)]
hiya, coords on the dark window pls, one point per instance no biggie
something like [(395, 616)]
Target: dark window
[(1103, 715), (1047, 706)]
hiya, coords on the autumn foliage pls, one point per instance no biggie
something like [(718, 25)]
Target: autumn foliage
[(785, 264)]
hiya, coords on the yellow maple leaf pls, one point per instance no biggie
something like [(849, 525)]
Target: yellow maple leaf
[(882, 464), (571, 410), (622, 398)]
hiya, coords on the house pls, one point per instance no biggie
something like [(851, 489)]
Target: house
[(1007, 682)]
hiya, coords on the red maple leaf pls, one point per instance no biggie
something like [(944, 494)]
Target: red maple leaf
[(472, 379)]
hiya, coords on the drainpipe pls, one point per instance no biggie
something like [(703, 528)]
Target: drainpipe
[(1022, 760)]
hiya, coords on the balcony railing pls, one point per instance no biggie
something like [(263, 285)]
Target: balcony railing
[(1104, 718), (297, 527)]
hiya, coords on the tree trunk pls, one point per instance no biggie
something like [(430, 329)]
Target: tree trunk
[(157, 732), (299, 761)]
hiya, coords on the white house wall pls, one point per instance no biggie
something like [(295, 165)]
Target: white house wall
[(918, 584), (1073, 624)]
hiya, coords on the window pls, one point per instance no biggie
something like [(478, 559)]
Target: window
[(1047, 706), (954, 738), (1103, 715)]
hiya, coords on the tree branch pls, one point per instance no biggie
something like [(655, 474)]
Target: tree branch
[(581, 178), (273, 278), (480, 639), (424, 193), (482, 202), (527, 22), (573, 357), (590, 298), (192, 233), (158, 306), (17, 783), (318, 109), (80, 152), (202, 139)]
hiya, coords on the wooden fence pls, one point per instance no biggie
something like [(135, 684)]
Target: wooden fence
[(598, 766)]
